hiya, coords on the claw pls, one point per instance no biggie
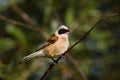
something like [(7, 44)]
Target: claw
[(54, 61)]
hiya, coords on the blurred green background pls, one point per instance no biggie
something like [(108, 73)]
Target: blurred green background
[(24, 24)]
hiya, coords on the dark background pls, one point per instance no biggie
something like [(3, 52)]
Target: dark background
[(24, 24)]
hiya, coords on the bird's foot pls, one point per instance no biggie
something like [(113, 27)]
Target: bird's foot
[(54, 61)]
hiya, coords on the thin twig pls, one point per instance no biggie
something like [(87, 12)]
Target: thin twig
[(21, 13), (4, 18), (83, 37), (28, 19), (74, 24), (77, 66)]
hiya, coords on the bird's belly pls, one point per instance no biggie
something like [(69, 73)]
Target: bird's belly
[(56, 49)]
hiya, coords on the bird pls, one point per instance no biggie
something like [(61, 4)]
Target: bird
[(54, 46)]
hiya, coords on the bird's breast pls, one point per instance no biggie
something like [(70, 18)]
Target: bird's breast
[(57, 48)]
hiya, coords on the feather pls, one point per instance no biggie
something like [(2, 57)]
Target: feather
[(42, 46), (52, 39), (40, 51), (35, 54)]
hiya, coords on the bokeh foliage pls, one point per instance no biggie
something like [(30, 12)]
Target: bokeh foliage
[(98, 54)]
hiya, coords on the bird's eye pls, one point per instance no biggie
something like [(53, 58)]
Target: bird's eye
[(62, 31)]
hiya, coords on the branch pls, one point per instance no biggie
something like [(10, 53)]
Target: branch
[(75, 62), (4, 18), (21, 13), (28, 19), (77, 66), (83, 37)]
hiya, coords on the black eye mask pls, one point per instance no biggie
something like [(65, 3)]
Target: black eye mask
[(62, 31)]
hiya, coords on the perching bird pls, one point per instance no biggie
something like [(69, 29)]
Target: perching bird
[(55, 46)]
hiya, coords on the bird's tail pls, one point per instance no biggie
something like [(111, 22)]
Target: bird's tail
[(35, 54)]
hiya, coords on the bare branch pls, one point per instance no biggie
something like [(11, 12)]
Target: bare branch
[(13, 21), (21, 13), (29, 20), (4, 18), (77, 66), (83, 37), (74, 24)]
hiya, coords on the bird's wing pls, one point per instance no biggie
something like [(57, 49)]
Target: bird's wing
[(52, 39), (42, 46)]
